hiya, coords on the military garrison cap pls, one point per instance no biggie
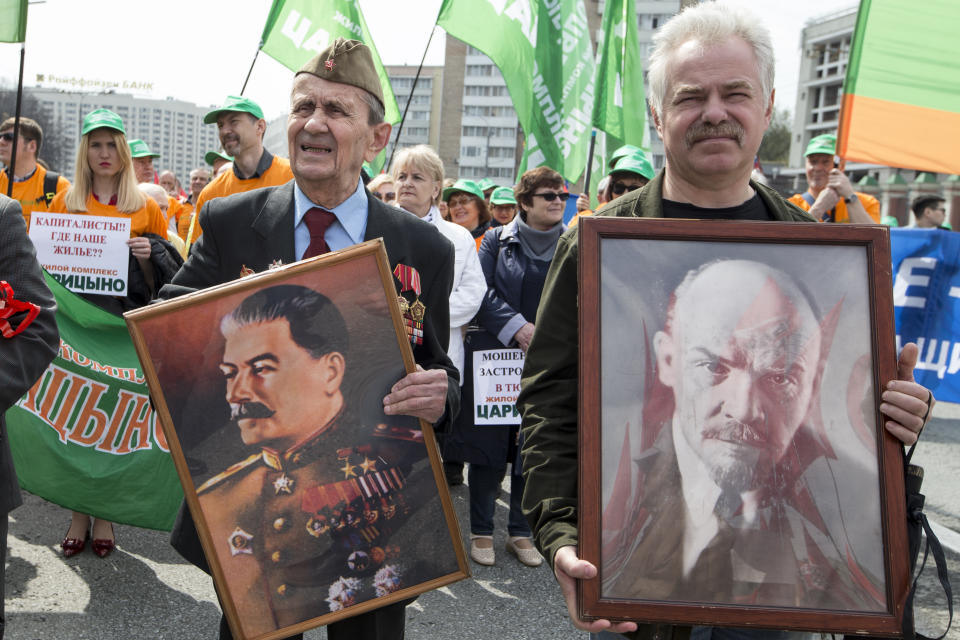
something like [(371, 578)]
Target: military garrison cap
[(347, 62)]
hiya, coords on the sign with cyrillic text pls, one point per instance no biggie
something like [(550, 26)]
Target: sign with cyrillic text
[(86, 254), (496, 385), (926, 299)]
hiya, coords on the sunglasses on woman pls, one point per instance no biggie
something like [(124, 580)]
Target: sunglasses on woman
[(619, 188), (550, 196)]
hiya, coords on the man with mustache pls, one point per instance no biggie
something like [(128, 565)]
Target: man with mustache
[(720, 513), (241, 127), (335, 125), (711, 96)]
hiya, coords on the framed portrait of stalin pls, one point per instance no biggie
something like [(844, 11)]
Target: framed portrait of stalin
[(312, 505), (734, 467)]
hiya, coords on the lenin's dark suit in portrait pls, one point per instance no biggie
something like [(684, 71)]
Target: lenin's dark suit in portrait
[(25, 356), (790, 555), (254, 230)]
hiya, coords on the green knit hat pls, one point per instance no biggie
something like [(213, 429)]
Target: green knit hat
[(467, 186), (100, 119)]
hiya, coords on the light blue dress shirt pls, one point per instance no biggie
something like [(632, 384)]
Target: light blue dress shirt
[(349, 228)]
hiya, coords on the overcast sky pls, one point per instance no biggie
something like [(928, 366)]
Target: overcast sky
[(201, 50)]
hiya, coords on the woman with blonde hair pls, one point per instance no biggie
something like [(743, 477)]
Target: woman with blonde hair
[(105, 185)]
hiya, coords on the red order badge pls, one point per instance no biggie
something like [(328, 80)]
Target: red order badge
[(10, 306), (412, 313)]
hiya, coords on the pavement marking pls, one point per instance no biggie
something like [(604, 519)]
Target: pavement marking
[(446, 591), (488, 585), (949, 538)]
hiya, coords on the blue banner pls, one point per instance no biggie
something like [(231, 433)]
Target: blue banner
[(926, 299)]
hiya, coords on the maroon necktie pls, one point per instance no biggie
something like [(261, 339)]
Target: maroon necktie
[(318, 221)]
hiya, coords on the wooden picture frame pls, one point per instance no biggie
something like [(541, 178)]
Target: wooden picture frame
[(734, 466), (319, 506)]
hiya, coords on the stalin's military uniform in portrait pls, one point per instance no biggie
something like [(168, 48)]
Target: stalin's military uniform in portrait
[(320, 517), (318, 527)]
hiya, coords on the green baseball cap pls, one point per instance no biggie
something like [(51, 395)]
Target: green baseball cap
[(235, 103), (636, 163), (211, 156), (502, 195), (486, 184), (625, 150), (139, 149), (467, 186), (826, 143), (102, 118)]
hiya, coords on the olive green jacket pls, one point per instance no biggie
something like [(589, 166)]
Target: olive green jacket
[(550, 390)]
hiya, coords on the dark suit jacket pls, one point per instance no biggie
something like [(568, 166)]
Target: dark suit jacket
[(787, 565), (253, 229), (24, 357)]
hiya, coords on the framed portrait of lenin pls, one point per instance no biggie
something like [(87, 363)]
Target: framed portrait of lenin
[(734, 466), (311, 504)]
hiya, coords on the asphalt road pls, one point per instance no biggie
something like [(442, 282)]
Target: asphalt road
[(144, 589)]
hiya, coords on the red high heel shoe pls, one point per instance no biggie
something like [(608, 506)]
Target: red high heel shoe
[(73, 546), (104, 546)]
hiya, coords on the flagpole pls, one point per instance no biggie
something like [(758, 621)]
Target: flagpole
[(586, 177), (247, 79), (16, 125), (410, 97)]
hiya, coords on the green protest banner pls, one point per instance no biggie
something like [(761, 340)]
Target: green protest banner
[(619, 102), (85, 436), (619, 106), (297, 30), (13, 20), (543, 50)]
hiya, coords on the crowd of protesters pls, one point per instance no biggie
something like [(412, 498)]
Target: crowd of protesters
[(504, 239)]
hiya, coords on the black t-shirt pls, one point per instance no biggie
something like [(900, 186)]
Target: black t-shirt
[(752, 209)]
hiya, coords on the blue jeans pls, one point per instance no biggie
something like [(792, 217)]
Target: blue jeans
[(484, 484)]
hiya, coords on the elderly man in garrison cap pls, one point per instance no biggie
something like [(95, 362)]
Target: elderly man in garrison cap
[(335, 124)]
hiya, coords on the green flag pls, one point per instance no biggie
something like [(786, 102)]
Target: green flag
[(543, 50), (297, 30), (13, 20), (85, 436), (619, 106)]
